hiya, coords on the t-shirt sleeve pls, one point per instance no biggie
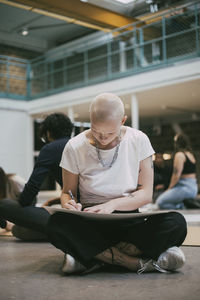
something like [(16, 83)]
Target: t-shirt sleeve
[(146, 149), (69, 160)]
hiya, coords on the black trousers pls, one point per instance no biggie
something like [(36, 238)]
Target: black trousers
[(35, 218), (84, 239)]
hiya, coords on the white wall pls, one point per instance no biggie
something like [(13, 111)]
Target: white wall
[(16, 142)]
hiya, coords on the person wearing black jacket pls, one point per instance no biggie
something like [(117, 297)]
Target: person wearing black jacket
[(55, 131)]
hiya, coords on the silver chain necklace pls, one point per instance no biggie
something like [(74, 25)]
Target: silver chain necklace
[(105, 165)]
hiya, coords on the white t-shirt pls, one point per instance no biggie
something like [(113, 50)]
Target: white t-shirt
[(98, 184)]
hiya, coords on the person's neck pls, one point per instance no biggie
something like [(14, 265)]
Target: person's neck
[(111, 145)]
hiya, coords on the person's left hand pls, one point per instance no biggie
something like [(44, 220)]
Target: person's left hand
[(105, 208)]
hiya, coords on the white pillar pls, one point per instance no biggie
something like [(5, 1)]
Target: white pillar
[(134, 112), (122, 58), (71, 113)]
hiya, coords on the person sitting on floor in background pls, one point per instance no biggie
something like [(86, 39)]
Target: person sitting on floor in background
[(11, 185), (112, 165), (183, 182), (162, 175), (55, 131)]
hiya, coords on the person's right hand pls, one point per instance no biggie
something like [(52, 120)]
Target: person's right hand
[(72, 205)]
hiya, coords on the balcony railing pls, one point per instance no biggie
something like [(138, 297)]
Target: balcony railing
[(139, 47)]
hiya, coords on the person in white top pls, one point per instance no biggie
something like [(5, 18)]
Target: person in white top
[(111, 164)]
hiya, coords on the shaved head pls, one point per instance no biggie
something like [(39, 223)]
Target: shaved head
[(106, 106)]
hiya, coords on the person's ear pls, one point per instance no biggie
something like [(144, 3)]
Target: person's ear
[(124, 119)]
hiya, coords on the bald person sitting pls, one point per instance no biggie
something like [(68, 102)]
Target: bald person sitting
[(111, 164)]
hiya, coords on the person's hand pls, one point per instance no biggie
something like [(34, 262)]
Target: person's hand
[(105, 208), (9, 226), (72, 205), (159, 187)]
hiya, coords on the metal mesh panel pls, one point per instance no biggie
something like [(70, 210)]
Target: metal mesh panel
[(3, 84), (38, 86), (3, 66), (152, 31), (129, 59), (101, 50), (115, 56), (115, 63), (75, 75), (17, 86), (180, 45), (3, 75), (74, 70), (17, 70), (58, 79), (38, 69), (181, 23), (97, 68)]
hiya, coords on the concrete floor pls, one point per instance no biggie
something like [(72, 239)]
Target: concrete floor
[(32, 271)]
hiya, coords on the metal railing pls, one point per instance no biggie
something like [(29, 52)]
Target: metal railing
[(137, 47)]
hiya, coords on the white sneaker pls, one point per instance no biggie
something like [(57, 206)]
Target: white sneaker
[(70, 265), (170, 260)]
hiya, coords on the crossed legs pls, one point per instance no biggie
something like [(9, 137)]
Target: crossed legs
[(123, 254)]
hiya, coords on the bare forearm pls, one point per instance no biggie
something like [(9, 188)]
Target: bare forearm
[(65, 198), (174, 179), (127, 203), (51, 202), (70, 202), (134, 201)]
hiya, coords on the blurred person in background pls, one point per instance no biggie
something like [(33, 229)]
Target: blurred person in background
[(183, 183), (162, 175)]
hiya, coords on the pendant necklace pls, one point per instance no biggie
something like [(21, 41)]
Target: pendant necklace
[(106, 165)]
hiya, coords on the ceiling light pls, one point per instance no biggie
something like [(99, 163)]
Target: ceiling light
[(24, 31)]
